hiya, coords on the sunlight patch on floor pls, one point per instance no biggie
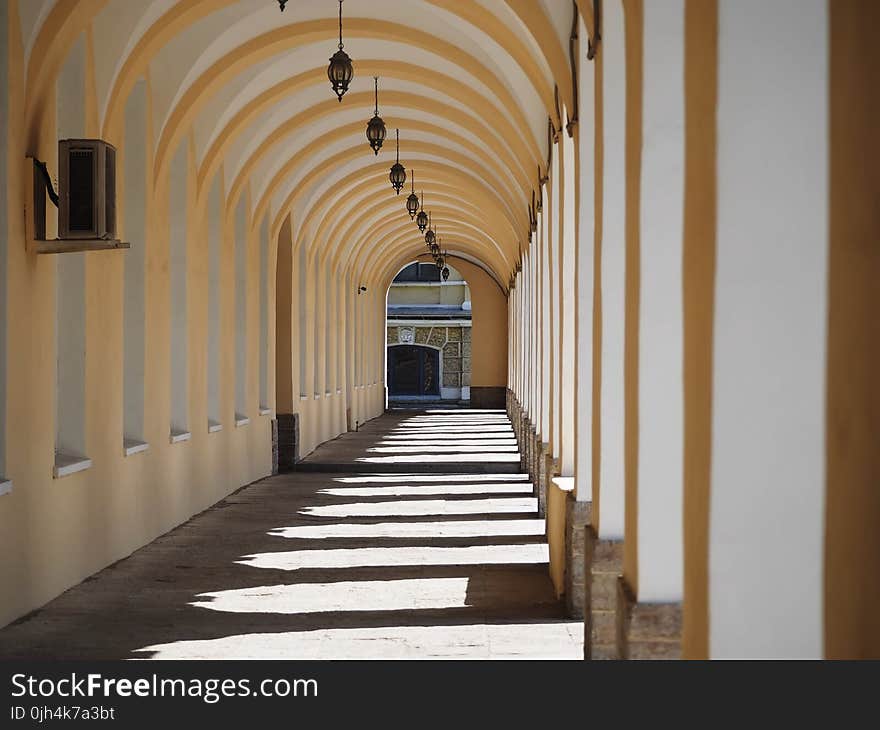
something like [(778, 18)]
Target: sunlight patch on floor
[(370, 595), (394, 478), (534, 640), (492, 505), (528, 554), (415, 530), (423, 490), (421, 458)]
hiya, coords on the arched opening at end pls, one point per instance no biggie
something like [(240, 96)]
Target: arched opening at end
[(428, 337)]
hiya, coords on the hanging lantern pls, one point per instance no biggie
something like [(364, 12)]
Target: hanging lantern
[(340, 70), (398, 172), (412, 202), (422, 217), (376, 126), (282, 3), (430, 236), (445, 273)]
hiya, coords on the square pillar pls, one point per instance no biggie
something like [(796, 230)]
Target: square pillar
[(577, 517), (603, 563), (274, 446), (288, 441), (646, 630)]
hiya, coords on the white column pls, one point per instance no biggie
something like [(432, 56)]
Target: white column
[(586, 227), (556, 201), (768, 403), (568, 310), (661, 337), (611, 470), (544, 347)]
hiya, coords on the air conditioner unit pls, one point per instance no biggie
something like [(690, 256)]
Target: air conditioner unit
[(87, 195)]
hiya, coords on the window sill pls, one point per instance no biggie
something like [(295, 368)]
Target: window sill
[(130, 447), (265, 411), (328, 394), (303, 397), (241, 420), (317, 396), (214, 427), (178, 436), (65, 465), (5, 486)]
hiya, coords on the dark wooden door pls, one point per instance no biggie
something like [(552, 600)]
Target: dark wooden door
[(413, 370)]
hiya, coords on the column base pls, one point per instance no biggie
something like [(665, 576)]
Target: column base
[(533, 454), (274, 446), (603, 563), (288, 441), (646, 630), (577, 517), (545, 472)]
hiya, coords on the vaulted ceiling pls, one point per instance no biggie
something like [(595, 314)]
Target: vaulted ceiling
[(470, 84)]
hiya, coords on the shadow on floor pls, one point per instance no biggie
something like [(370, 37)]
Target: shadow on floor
[(322, 565)]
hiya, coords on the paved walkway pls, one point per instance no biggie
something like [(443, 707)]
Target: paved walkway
[(440, 561)]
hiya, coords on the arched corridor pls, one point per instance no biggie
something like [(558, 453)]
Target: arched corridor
[(666, 215)]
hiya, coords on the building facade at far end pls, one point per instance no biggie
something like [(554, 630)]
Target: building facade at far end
[(428, 336)]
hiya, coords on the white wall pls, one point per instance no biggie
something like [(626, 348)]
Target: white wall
[(177, 262), (135, 160), (611, 475), (661, 336), (768, 419), (264, 312), (240, 248), (215, 247), (70, 320)]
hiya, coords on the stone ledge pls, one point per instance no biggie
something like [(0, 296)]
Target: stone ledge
[(65, 465), (646, 630), (130, 447), (177, 437)]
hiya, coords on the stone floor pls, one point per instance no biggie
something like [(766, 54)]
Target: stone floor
[(335, 565)]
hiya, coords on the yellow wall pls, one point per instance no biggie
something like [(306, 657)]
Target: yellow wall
[(488, 328), (449, 294), (55, 532)]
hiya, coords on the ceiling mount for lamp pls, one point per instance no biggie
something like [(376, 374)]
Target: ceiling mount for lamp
[(412, 202), (422, 217), (376, 131), (282, 3), (398, 172), (340, 71)]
